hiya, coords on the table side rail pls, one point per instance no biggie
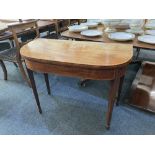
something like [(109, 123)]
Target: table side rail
[(77, 71)]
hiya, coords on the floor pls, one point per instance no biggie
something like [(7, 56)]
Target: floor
[(70, 109)]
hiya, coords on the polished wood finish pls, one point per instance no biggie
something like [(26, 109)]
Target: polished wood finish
[(77, 71), (82, 59), (104, 38), (78, 53), (143, 87)]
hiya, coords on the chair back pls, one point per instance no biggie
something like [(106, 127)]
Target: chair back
[(21, 28), (58, 28)]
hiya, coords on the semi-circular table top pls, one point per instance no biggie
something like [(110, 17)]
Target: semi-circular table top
[(78, 53)]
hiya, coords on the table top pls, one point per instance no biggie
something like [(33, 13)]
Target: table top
[(84, 53), (104, 38), (41, 24)]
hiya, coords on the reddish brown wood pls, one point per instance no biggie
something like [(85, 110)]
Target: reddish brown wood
[(86, 60), (81, 72), (112, 96)]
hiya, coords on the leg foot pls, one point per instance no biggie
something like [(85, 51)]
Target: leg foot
[(112, 96)]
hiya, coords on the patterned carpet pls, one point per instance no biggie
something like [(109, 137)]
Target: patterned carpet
[(70, 109)]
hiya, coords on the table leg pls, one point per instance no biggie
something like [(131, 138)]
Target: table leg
[(112, 95), (47, 83), (136, 60), (32, 81), (119, 89)]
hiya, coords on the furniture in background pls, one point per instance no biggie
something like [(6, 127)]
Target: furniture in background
[(43, 25), (48, 25), (6, 44), (72, 58), (61, 25), (143, 87), (13, 54), (104, 38)]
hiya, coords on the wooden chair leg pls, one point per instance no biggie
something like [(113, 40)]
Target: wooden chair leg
[(4, 69), (15, 64), (47, 83), (32, 81), (21, 68)]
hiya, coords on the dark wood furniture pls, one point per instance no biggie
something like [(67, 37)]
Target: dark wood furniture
[(13, 54), (42, 24), (143, 87), (61, 25), (88, 60)]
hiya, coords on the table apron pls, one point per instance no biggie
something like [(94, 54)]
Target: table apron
[(77, 71)]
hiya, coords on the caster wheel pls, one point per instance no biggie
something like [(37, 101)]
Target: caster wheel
[(81, 84)]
